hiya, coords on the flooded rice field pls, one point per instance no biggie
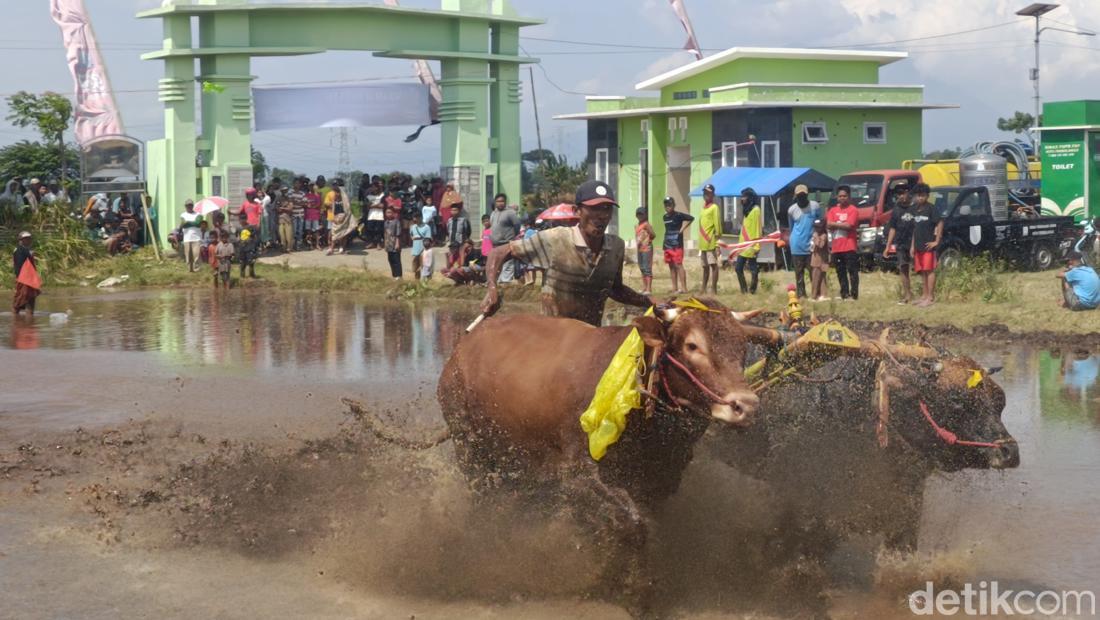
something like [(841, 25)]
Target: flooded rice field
[(181, 454)]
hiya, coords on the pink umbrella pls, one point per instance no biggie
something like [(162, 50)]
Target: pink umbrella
[(558, 213), (208, 205)]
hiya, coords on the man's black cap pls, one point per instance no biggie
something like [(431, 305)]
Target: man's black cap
[(592, 193), (708, 188), (669, 200)]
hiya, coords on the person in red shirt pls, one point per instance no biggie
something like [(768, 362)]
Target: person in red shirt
[(250, 208), (842, 221)]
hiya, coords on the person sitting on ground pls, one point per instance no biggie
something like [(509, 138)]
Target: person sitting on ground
[(927, 233), (1080, 284), (819, 262), (223, 260), (458, 237), (118, 243)]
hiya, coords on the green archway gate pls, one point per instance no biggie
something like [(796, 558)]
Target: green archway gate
[(476, 42)]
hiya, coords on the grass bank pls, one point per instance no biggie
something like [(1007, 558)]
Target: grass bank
[(977, 298)]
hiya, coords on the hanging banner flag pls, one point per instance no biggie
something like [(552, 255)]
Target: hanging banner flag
[(692, 44), (340, 105), (427, 78), (95, 111)]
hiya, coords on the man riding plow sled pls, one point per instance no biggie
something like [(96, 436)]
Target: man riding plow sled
[(616, 428)]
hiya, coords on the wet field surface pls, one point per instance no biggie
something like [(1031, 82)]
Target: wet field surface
[(183, 454)]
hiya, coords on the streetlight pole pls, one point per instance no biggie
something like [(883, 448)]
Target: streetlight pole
[(1037, 10)]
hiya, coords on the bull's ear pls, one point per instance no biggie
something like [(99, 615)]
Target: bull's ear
[(652, 331)]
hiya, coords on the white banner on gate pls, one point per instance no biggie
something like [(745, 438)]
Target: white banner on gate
[(341, 105)]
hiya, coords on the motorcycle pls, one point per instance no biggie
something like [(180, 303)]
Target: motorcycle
[(1088, 244)]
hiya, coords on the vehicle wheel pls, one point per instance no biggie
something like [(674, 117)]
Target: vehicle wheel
[(950, 259), (1042, 257)]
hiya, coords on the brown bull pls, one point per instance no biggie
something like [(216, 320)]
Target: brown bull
[(513, 391)]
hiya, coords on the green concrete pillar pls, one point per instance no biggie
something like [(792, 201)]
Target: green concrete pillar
[(226, 143), (464, 112), (173, 181), (505, 94)]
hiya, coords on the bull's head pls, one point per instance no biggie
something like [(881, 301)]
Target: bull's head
[(967, 404), (701, 355)]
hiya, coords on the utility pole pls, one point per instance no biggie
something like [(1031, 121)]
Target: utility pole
[(345, 154), (1037, 10), (538, 130)]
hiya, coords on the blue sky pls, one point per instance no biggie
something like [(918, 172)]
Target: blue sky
[(984, 71)]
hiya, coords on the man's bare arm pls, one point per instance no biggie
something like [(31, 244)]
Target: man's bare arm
[(496, 258)]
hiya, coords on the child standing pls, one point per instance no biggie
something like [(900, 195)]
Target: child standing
[(819, 261), (392, 242), (421, 235), (486, 240), (427, 260), (223, 260), (644, 235)]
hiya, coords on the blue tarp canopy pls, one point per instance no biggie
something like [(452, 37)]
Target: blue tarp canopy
[(729, 181)]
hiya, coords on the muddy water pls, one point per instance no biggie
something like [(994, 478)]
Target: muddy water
[(214, 475)]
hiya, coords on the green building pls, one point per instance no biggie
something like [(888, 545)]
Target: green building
[(757, 107), (1071, 158)]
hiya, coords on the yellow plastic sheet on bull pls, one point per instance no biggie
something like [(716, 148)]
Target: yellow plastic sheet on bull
[(616, 395)]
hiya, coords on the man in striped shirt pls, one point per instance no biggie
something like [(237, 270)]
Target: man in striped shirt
[(583, 264)]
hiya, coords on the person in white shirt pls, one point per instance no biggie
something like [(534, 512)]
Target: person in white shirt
[(190, 223)]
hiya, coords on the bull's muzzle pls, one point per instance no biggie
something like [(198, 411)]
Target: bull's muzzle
[(738, 409), (1006, 456)]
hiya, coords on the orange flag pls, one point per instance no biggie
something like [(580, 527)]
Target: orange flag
[(28, 276)]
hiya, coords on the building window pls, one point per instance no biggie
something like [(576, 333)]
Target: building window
[(602, 165), (643, 178), (814, 133), (736, 155), (671, 128), (874, 133), (706, 93), (683, 129), (769, 153), (645, 130), (685, 94)]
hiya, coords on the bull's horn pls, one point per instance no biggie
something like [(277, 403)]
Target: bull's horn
[(669, 314), (741, 317), (762, 335)]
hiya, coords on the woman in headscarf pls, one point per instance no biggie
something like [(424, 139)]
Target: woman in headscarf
[(11, 201), (343, 220)]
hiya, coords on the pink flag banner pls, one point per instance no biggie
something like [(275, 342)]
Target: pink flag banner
[(427, 78), (692, 44), (95, 111)]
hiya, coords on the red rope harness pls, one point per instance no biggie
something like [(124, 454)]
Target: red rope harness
[(952, 439), (694, 380)]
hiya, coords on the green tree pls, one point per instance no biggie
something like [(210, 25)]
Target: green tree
[(555, 181), (286, 175), (1020, 122), (944, 153), (259, 166), (49, 113), (30, 159)]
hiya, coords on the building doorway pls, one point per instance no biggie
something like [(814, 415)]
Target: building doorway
[(679, 177)]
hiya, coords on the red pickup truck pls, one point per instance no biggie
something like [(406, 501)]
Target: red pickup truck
[(872, 192)]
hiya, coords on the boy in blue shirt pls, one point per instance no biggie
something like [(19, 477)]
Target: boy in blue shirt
[(1080, 285), (801, 216)]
